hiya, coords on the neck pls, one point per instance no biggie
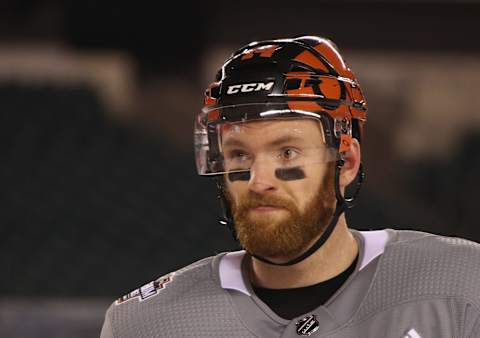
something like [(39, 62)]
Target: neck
[(332, 258)]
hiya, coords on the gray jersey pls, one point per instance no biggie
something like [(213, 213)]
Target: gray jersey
[(406, 284)]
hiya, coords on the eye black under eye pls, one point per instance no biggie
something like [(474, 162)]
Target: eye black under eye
[(290, 174), (239, 176)]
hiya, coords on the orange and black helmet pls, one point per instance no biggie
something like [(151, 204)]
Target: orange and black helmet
[(287, 78)]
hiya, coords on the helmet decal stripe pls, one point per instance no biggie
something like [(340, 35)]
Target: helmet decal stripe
[(262, 51), (331, 54), (308, 58)]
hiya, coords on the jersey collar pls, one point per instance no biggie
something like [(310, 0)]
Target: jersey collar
[(230, 267)]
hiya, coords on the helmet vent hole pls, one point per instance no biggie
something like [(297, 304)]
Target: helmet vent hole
[(215, 92), (292, 84)]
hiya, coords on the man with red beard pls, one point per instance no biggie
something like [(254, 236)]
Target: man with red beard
[(280, 132)]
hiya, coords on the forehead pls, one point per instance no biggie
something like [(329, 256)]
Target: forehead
[(260, 132)]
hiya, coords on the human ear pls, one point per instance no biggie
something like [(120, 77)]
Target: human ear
[(352, 159)]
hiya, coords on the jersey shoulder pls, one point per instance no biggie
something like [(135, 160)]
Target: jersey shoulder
[(418, 266), (430, 245), (161, 305), (173, 285), (432, 263)]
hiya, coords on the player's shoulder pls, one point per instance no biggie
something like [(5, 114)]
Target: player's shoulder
[(155, 304), (430, 244), (172, 286), (446, 265)]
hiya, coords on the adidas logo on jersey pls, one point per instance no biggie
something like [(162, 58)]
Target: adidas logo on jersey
[(412, 334)]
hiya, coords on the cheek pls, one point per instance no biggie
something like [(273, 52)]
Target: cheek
[(301, 192), (234, 190), (304, 190)]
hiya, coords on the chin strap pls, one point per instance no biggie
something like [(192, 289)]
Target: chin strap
[(343, 203)]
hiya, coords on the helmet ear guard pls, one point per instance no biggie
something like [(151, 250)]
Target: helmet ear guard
[(345, 144), (348, 200), (360, 178)]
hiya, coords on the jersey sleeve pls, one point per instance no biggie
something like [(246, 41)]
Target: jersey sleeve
[(107, 331)]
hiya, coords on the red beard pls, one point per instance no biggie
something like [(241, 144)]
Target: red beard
[(288, 236)]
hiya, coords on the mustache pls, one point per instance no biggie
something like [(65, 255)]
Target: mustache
[(253, 200)]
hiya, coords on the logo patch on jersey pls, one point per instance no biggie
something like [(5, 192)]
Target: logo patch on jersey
[(147, 291), (307, 325)]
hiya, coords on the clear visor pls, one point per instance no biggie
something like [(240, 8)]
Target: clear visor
[(270, 144)]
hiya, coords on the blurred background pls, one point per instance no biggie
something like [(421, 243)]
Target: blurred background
[(98, 188)]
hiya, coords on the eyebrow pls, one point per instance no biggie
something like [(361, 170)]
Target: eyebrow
[(282, 140)]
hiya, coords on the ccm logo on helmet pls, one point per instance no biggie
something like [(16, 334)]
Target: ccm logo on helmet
[(249, 87)]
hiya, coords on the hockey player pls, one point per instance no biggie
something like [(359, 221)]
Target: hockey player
[(280, 132)]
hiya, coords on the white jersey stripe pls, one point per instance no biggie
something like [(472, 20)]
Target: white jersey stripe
[(231, 272), (375, 242)]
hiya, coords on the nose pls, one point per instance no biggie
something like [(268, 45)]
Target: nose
[(262, 178)]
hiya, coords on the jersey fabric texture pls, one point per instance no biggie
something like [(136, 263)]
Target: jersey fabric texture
[(406, 284)]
